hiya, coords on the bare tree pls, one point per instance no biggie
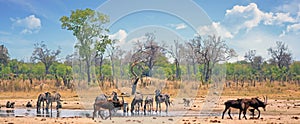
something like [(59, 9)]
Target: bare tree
[(256, 64), (175, 54), (255, 61), (112, 49), (190, 57), (45, 55), (145, 55), (4, 56), (152, 51), (281, 56), (69, 59), (210, 51), (249, 56)]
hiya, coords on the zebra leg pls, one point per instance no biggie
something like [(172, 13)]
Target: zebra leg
[(159, 108), (167, 105), (156, 107), (145, 109)]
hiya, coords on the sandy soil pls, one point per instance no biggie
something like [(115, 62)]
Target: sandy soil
[(278, 111), (267, 119)]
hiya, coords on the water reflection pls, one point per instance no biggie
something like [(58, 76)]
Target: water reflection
[(47, 113), (7, 113), (88, 113)]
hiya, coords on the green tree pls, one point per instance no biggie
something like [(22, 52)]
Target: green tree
[(38, 70), (62, 71), (87, 27)]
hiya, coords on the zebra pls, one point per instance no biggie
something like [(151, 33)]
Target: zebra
[(160, 98), (148, 103), (43, 97), (137, 102)]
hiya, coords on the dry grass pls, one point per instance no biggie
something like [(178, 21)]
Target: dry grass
[(274, 91)]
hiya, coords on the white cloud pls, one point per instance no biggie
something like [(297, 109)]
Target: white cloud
[(137, 39), (292, 7), (293, 28), (178, 26), (4, 33), (243, 16), (120, 35), (250, 16), (215, 28), (30, 24), (255, 40), (278, 19)]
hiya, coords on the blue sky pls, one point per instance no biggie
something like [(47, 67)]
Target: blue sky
[(248, 24)]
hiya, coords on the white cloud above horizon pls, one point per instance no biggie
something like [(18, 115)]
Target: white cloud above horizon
[(292, 7), (250, 16), (215, 28), (29, 24), (120, 35), (178, 26)]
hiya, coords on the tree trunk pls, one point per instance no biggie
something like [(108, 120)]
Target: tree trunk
[(194, 68), (206, 73), (135, 77), (112, 70), (177, 66), (188, 71), (88, 71), (47, 68)]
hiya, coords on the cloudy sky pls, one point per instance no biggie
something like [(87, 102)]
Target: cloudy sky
[(248, 24)]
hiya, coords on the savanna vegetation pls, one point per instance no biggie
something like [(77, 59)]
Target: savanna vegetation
[(99, 61)]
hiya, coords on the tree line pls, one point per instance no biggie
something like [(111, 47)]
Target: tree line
[(98, 58)]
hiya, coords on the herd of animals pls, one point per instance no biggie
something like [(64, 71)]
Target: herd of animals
[(112, 103), (103, 102)]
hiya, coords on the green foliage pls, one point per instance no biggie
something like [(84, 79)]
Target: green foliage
[(38, 70), (61, 70), (106, 69), (295, 68), (87, 27)]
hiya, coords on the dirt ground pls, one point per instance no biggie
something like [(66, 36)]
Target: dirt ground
[(278, 111), (283, 107)]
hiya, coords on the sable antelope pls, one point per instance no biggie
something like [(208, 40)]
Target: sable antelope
[(137, 102), (256, 103), (238, 104), (160, 98), (148, 103)]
